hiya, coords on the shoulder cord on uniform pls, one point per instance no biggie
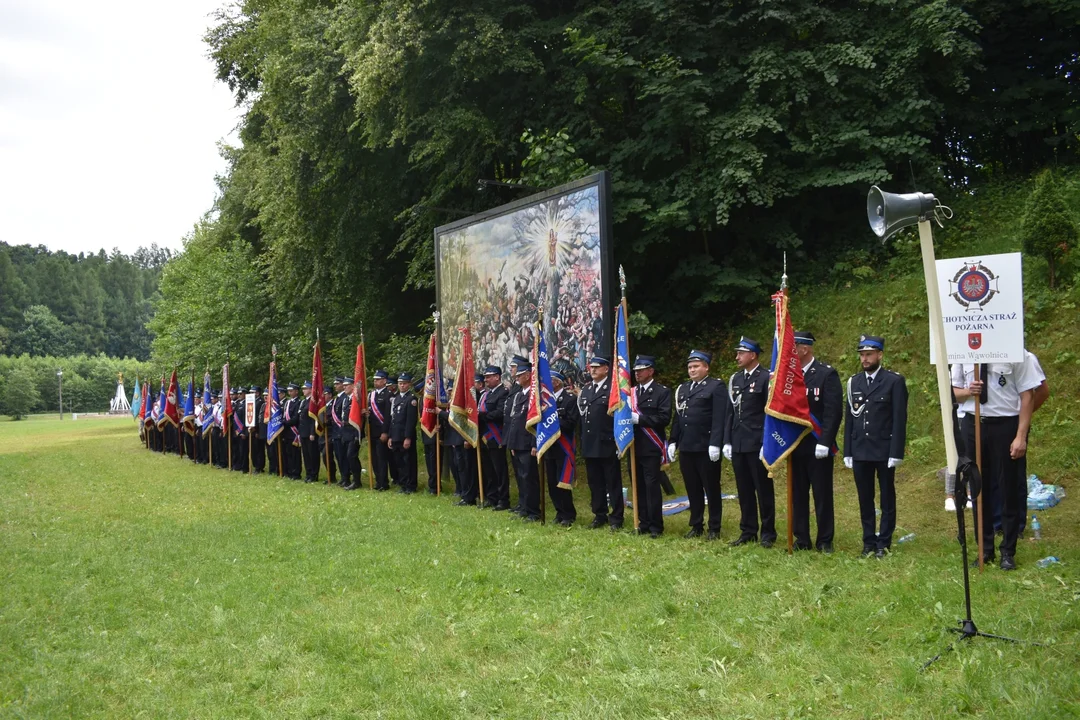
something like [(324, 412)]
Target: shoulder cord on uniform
[(680, 407), (735, 403), (851, 405)]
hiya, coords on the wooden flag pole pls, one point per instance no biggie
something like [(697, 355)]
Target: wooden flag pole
[(367, 421), (542, 472), (479, 459), (978, 464), (790, 469), (633, 445)]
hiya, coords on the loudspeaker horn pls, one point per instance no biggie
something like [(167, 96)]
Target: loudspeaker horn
[(889, 212)]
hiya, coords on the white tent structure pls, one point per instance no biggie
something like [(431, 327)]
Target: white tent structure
[(119, 404)]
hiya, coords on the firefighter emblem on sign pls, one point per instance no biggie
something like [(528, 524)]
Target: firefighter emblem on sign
[(973, 286)]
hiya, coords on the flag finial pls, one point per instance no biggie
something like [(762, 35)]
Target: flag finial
[(622, 281), (273, 350), (783, 278)]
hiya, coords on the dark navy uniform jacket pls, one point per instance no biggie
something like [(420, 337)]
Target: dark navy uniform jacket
[(875, 426), (597, 427), (496, 406), (569, 416), (517, 436), (826, 399), (381, 399), (701, 415), (749, 395), (306, 424), (654, 410), (403, 417), (339, 409)]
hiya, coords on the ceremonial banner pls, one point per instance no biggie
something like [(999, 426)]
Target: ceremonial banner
[(188, 419), (249, 410), (463, 404), (206, 394), (787, 411), (543, 416), (982, 308), (159, 406), (274, 424), (226, 395), (315, 405), (620, 399), (359, 393), (149, 405), (429, 413), (549, 250), (136, 400), (171, 409)]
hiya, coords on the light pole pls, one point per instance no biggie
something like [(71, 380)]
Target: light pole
[(60, 380)]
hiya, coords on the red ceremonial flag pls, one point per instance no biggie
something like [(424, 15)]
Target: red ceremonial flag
[(359, 393), (429, 415), (463, 404), (171, 414), (315, 404), (145, 400), (226, 395)]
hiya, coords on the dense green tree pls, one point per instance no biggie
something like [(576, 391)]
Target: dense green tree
[(42, 333), (734, 132), (1048, 229), (18, 395)]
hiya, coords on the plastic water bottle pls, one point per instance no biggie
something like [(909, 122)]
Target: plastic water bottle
[(1047, 561), (1036, 528), (906, 538)]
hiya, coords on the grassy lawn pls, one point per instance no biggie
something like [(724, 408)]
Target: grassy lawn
[(140, 585)]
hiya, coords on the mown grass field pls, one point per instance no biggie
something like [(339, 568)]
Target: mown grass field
[(137, 585)]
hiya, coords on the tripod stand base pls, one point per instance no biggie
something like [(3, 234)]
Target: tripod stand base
[(966, 631)]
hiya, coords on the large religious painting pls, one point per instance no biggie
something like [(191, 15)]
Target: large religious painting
[(549, 251)]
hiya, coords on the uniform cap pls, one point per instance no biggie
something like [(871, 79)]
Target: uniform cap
[(292, 386), (700, 355), (382, 374), (346, 380), (748, 345), (478, 377), (307, 384), (644, 362), (523, 368), (599, 361), (804, 337), (555, 375), (493, 370), (871, 342), (405, 377)]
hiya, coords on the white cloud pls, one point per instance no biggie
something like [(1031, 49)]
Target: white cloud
[(109, 119)]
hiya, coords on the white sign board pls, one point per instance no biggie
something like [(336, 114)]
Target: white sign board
[(249, 410), (982, 306)]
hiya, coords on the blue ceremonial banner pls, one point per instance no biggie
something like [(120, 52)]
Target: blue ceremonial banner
[(189, 405), (159, 408), (274, 422), (206, 398), (543, 417), (787, 411), (619, 404), (136, 400)]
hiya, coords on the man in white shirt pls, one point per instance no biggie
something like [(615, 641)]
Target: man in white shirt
[(1007, 397)]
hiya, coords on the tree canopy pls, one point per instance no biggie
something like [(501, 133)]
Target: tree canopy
[(734, 131)]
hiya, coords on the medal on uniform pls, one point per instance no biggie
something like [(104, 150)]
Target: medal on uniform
[(751, 387)]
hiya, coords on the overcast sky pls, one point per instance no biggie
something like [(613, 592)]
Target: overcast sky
[(109, 122)]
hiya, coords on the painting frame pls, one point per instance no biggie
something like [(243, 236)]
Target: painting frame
[(598, 266)]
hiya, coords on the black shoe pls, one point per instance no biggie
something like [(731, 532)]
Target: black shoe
[(867, 551), (713, 535), (742, 540), (354, 486), (641, 531), (464, 503), (694, 532), (1007, 562), (826, 548), (307, 480), (530, 519), (768, 544), (798, 547), (488, 504), (500, 508), (566, 523), (597, 523), (616, 528), (879, 553), (987, 560), (402, 490), (381, 489), (655, 534)]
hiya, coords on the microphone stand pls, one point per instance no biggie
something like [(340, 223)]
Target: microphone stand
[(967, 629)]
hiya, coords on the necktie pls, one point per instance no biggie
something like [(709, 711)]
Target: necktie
[(869, 381)]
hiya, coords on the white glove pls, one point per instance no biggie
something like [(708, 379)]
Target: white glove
[(727, 452), (821, 452), (848, 462), (671, 452), (895, 462), (634, 417), (714, 453)]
